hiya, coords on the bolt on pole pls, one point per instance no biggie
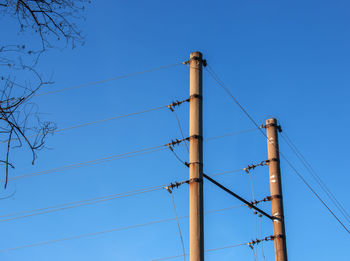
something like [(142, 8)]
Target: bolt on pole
[(276, 190), (196, 159)]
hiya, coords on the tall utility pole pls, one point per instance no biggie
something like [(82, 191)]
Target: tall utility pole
[(196, 159), (276, 190)]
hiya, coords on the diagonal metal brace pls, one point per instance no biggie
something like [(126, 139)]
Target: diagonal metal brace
[(240, 198)]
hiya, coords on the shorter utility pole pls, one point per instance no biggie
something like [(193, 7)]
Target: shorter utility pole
[(276, 190)]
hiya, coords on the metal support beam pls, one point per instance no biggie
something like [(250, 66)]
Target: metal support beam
[(238, 197)]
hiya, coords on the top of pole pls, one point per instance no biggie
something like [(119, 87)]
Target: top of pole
[(196, 54), (271, 121)]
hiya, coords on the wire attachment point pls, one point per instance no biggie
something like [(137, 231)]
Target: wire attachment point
[(253, 166), (177, 103), (252, 243), (279, 128), (255, 202), (176, 184)]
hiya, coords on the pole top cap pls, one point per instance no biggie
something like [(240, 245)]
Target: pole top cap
[(271, 121), (196, 54)]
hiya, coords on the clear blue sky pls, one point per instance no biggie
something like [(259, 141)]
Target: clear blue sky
[(283, 59)]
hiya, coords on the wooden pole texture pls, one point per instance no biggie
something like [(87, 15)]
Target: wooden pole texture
[(276, 190), (196, 159)]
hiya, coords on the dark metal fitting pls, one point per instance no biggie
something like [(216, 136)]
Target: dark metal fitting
[(189, 163), (255, 202), (196, 96), (195, 180), (279, 128), (173, 143), (204, 62), (273, 197), (277, 236), (170, 107), (177, 103), (273, 159), (198, 137), (278, 218), (195, 58)]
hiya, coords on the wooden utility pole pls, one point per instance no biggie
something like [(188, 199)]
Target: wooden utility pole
[(196, 159), (276, 190)]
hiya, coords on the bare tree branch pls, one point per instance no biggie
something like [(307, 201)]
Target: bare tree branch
[(53, 21)]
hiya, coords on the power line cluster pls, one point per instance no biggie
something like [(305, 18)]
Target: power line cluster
[(251, 244), (307, 165), (169, 187)]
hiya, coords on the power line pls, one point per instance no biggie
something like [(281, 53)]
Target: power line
[(316, 194), (228, 92), (98, 121), (93, 162), (180, 128), (114, 157), (314, 174), (230, 134), (222, 85), (262, 247), (105, 120), (255, 213), (226, 172), (207, 250), (109, 231), (178, 225), (85, 235), (60, 207), (110, 79)]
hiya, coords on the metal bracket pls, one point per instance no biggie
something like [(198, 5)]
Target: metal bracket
[(274, 196), (273, 159), (195, 180), (189, 163), (196, 96), (198, 137), (279, 128)]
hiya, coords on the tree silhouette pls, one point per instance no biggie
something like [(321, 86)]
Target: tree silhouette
[(54, 24)]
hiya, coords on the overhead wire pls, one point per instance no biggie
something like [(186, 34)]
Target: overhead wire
[(128, 75), (74, 204), (255, 214), (180, 128), (261, 245), (316, 177), (315, 193), (85, 235), (109, 231), (222, 85), (206, 250), (58, 207), (101, 121), (250, 244), (111, 158), (93, 162), (230, 134), (178, 224), (249, 204), (226, 172), (209, 139)]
